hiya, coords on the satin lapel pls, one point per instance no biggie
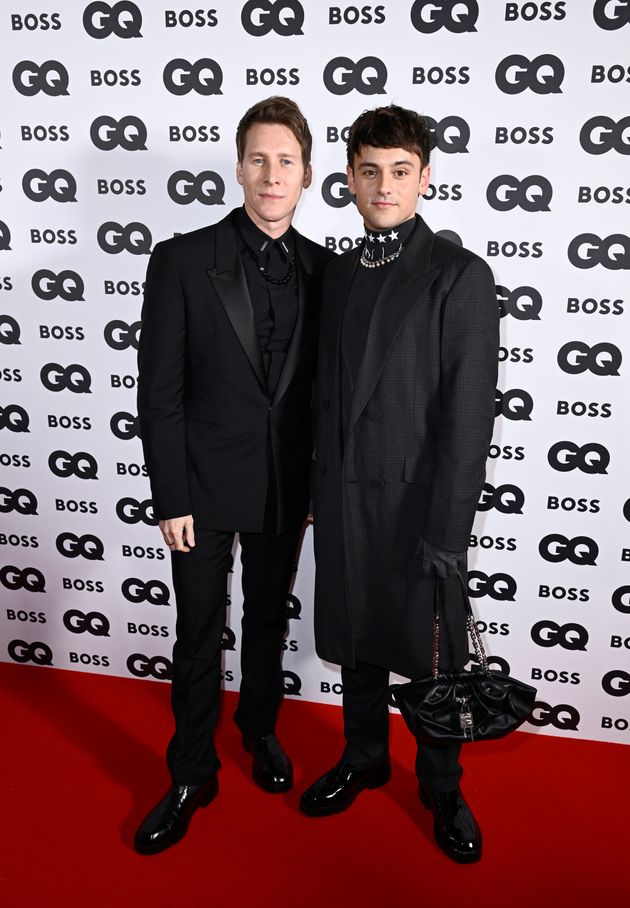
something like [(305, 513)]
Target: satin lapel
[(228, 279), (305, 300), (400, 293), (333, 315)]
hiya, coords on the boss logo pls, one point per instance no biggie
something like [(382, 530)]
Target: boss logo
[(82, 465), (128, 133), (29, 578), (87, 546), (44, 133), (58, 185), (450, 135), (602, 134), (621, 600), (292, 684), (520, 134), (368, 76), (506, 192), (51, 78), (155, 592), (22, 501), (130, 511), (568, 636), (500, 587), (73, 378), (523, 303), (562, 716), (530, 11), (616, 683), (158, 667), (187, 18), (9, 330), (135, 238), (206, 187), (579, 551), (335, 190), (120, 336), (543, 75), (611, 16), (565, 456), (294, 608), (5, 237), (14, 418), (507, 499), (576, 357), (205, 76), (67, 285), (125, 426), (457, 16), (588, 250), (284, 17), (228, 640), (91, 622), (124, 19), (515, 404), (38, 653), (31, 22)]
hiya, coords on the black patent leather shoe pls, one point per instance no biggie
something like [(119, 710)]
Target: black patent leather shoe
[(168, 822), (271, 767), (337, 789), (455, 828)]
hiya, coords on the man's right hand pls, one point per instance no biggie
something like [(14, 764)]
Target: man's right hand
[(178, 533)]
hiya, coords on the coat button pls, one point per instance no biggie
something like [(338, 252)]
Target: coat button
[(323, 469), (326, 404)]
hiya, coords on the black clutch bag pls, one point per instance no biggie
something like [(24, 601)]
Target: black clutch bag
[(466, 705)]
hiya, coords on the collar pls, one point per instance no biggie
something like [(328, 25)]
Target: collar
[(378, 244), (257, 240)]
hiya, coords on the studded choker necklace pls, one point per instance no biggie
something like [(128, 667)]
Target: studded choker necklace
[(380, 247)]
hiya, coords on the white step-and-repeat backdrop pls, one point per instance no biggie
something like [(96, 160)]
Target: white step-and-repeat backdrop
[(117, 129)]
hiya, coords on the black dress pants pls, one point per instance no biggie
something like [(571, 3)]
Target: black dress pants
[(200, 582), (366, 728)]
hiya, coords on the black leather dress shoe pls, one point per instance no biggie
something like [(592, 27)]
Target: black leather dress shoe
[(167, 823), (337, 789), (271, 768), (455, 828)]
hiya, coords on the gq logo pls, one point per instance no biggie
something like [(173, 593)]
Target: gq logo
[(128, 133), (125, 426), (506, 192), (284, 17), (29, 578), (621, 600), (22, 501), (38, 653), (130, 511), (67, 285), (294, 607), (9, 330), (506, 499), (120, 336), (616, 683), (51, 78), (496, 663), (576, 357), (523, 303), (91, 622), (73, 378), (588, 250), (205, 76), (206, 187), (591, 458), (568, 636), (450, 135), (580, 550), (457, 16), (82, 465), (72, 546), (155, 592), (543, 75), (602, 134), (124, 19), (5, 237), (228, 639), (135, 238), (335, 190), (514, 404), (611, 15), (158, 667), (14, 418), (58, 185), (292, 684), (562, 716), (368, 76), (500, 587)]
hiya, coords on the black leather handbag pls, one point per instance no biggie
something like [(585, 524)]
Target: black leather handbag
[(465, 705)]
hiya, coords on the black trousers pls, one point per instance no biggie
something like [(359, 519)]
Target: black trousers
[(200, 582), (366, 728)]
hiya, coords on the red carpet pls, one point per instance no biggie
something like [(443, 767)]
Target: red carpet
[(83, 762)]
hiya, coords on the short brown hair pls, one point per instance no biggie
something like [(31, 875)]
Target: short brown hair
[(279, 110), (390, 127)]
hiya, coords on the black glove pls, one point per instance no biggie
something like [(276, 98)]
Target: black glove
[(439, 562)]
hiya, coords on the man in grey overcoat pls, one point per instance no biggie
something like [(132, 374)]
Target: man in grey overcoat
[(404, 414)]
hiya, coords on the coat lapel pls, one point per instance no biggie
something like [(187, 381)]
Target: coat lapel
[(305, 282)]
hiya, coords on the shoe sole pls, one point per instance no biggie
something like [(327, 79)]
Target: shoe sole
[(457, 856), (379, 778), (141, 848)]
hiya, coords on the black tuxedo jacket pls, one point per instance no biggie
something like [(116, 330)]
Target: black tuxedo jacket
[(211, 432)]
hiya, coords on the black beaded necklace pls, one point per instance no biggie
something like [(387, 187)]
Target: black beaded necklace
[(261, 268)]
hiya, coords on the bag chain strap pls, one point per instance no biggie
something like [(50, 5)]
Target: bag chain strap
[(473, 630)]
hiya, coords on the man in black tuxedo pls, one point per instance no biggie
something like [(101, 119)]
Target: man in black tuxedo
[(404, 412), (226, 365)]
